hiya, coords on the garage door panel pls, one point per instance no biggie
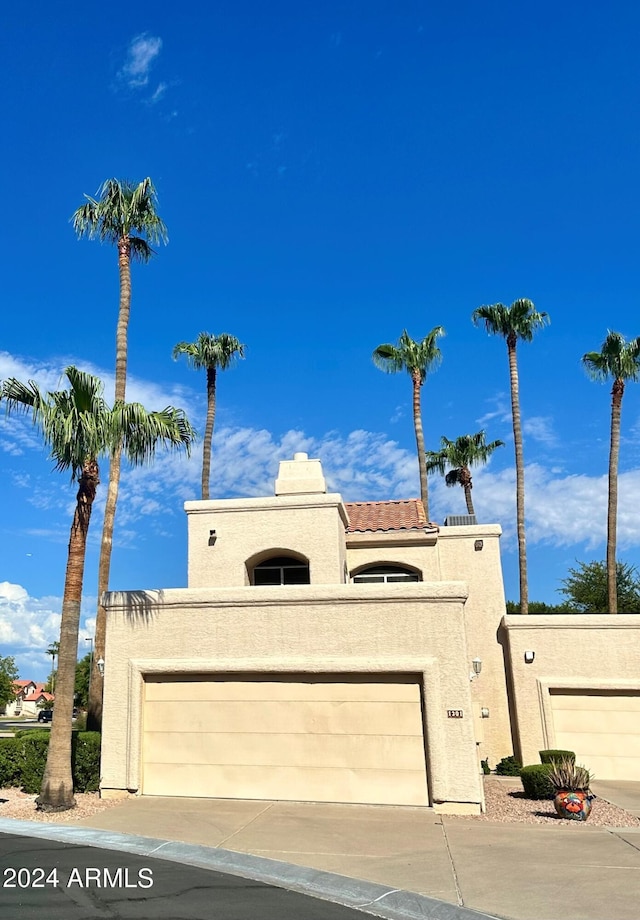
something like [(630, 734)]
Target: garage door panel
[(602, 727), (321, 738), (357, 751), (285, 716), (197, 691), (328, 785)]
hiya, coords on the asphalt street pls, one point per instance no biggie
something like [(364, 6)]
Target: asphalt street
[(58, 881)]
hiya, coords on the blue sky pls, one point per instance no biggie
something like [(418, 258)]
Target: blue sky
[(329, 174)]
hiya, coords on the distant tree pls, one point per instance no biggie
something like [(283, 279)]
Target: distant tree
[(8, 676), (620, 361), (124, 215), (417, 359), (520, 321), (79, 428), (53, 650), (211, 353), (540, 607), (466, 451), (586, 588), (83, 673)]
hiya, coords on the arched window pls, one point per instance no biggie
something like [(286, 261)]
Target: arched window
[(281, 570), (376, 574)]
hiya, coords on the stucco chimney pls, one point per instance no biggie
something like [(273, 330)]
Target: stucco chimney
[(300, 476)]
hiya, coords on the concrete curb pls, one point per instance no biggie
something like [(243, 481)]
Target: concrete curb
[(371, 898)]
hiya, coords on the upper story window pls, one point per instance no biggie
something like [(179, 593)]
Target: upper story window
[(281, 570), (376, 574)]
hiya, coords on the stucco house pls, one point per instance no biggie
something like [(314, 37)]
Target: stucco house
[(350, 652), (29, 698)]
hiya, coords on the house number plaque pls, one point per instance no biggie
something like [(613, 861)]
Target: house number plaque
[(454, 713)]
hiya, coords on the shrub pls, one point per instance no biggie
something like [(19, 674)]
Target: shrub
[(550, 755), (486, 769), (34, 745), (536, 782), (23, 759), (10, 759), (86, 761), (508, 766)]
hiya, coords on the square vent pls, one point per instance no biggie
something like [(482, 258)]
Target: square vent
[(460, 520)]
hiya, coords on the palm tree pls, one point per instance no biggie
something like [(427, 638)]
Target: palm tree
[(212, 353), (619, 360), (519, 321), (123, 214), (53, 650), (79, 428), (466, 451), (417, 359)]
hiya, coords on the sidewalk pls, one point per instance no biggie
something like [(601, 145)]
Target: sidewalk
[(524, 872)]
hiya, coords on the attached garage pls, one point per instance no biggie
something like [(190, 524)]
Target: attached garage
[(296, 737), (602, 727)]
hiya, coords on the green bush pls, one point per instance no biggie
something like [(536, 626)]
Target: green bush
[(86, 761), (536, 782), (486, 769), (10, 759), (24, 757), (508, 766), (550, 755), (33, 753)]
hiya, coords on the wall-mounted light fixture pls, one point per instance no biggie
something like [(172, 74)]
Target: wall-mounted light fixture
[(100, 663), (478, 545), (212, 538), (484, 713), (476, 664), (529, 657)]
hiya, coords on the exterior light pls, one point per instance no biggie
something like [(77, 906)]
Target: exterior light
[(478, 544), (212, 538), (476, 664), (484, 713), (529, 656), (100, 663)]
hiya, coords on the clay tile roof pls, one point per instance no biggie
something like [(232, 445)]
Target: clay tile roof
[(22, 683), (375, 516)]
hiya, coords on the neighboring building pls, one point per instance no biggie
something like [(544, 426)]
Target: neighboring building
[(327, 651), (28, 699)]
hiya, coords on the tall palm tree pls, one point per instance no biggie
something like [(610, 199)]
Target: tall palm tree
[(519, 321), (417, 359), (53, 650), (619, 360), (212, 353), (466, 451), (123, 214), (79, 428)]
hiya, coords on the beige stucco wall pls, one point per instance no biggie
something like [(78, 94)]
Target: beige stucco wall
[(309, 525), (406, 628), (574, 651)]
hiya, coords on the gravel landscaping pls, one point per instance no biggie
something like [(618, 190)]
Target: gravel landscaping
[(506, 803), (17, 804)]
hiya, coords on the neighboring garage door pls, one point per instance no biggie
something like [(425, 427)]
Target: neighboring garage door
[(602, 727), (323, 738)]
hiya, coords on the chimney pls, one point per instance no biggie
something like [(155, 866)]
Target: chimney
[(300, 476)]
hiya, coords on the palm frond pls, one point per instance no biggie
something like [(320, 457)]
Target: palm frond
[(211, 351), (617, 359), (410, 355), (521, 319)]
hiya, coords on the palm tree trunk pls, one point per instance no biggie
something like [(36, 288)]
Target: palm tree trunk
[(422, 460), (56, 793), (517, 440), (94, 707), (612, 508), (467, 485), (208, 431)]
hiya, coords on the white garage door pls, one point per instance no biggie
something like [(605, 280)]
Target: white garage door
[(324, 738), (602, 727)]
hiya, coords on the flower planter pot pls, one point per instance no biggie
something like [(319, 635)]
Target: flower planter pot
[(575, 806)]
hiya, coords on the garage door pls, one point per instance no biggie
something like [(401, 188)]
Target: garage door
[(329, 738), (602, 727)]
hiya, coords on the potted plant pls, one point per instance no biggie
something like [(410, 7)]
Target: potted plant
[(571, 784)]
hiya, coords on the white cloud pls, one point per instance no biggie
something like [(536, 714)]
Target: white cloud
[(158, 93), (540, 429), (141, 53), (28, 625)]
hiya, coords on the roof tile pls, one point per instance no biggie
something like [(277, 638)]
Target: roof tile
[(384, 516)]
